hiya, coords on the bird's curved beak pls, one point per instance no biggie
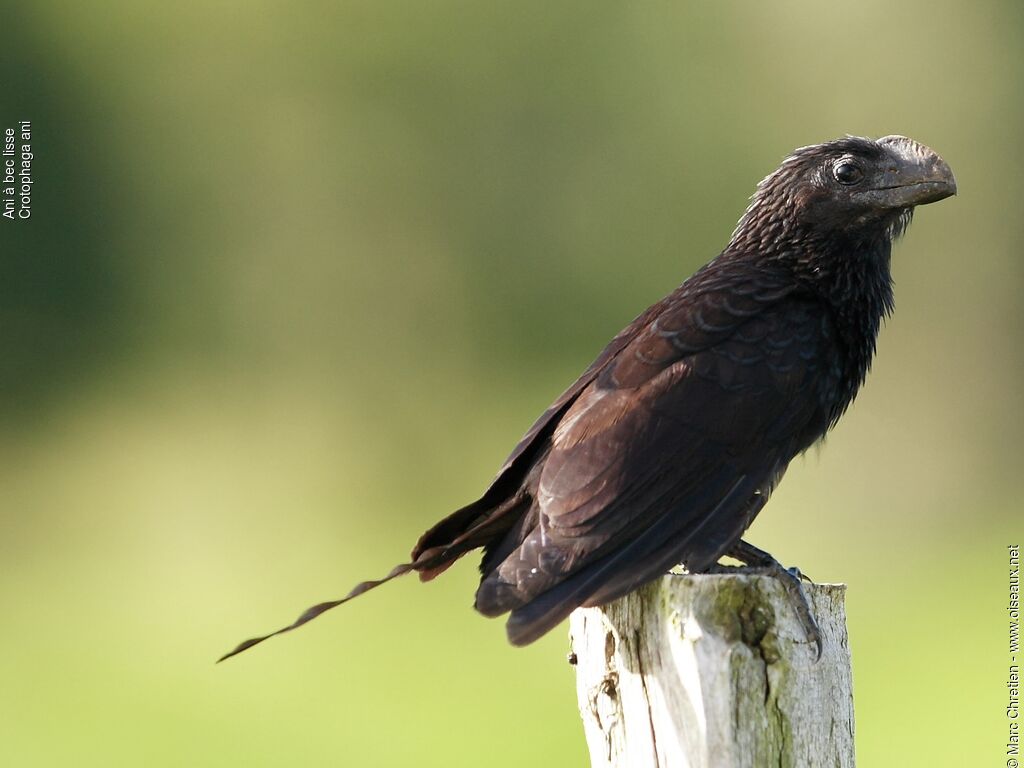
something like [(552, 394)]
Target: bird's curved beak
[(916, 175)]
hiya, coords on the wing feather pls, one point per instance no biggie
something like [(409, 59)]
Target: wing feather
[(666, 456)]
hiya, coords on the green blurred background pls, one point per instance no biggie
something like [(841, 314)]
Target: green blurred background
[(300, 275)]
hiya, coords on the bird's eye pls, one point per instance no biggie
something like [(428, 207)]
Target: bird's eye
[(847, 172)]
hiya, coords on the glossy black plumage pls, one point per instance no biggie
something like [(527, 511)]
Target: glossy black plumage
[(669, 445)]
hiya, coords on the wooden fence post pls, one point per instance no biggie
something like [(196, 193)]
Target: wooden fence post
[(714, 671)]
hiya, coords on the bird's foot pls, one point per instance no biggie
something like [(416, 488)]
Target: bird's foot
[(720, 569), (789, 578)]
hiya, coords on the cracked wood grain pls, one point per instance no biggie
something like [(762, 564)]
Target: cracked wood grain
[(714, 671)]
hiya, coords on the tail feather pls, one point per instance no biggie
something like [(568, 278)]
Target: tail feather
[(311, 613), (428, 562), (486, 530)]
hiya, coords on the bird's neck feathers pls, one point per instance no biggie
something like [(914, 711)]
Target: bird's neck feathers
[(846, 267), (857, 283)]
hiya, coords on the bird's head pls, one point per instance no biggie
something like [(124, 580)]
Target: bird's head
[(851, 187)]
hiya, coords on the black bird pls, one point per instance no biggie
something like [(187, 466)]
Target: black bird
[(670, 443)]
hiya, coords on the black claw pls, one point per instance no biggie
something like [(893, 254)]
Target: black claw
[(800, 574)]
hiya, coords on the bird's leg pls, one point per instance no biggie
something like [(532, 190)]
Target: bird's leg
[(753, 557), (789, 578)]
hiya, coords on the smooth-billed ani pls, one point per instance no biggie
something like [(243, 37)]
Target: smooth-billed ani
[(670, 443)]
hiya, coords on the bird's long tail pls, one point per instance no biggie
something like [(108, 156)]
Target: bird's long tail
[(311, 613), (475, 525)]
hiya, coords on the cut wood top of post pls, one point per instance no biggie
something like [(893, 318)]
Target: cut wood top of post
[(714, 670)]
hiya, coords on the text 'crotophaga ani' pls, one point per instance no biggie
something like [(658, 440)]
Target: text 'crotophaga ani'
[(668, 445)]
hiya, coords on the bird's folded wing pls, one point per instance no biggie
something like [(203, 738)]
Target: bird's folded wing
[(669, 452)]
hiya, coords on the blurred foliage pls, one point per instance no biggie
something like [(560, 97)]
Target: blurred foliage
[(299, 275)]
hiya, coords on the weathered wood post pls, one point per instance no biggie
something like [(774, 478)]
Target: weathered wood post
[(714, 671)]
